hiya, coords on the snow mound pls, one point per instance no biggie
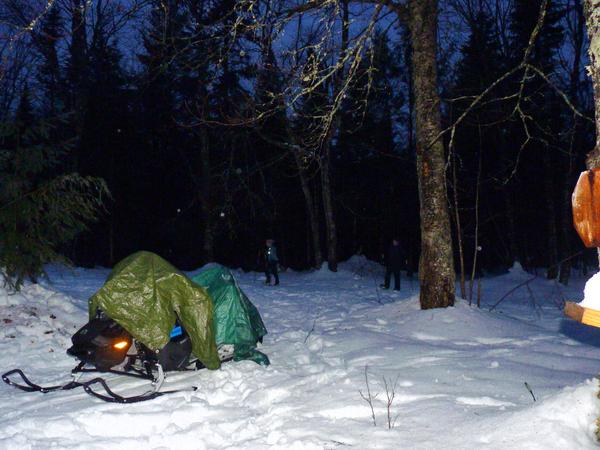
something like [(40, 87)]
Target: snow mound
[(517, 272), (37, 324), (591, 293), (360, 265), (516, 268), (565, 420)]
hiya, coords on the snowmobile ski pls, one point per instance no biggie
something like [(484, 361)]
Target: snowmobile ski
[(108, 394), (108, 348)]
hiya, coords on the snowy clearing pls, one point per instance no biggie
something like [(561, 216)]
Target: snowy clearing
[(462, 375)]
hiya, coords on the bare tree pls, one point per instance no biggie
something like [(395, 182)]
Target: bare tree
[(436, 265)]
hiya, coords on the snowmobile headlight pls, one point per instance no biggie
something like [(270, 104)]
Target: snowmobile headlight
[(121, 345)]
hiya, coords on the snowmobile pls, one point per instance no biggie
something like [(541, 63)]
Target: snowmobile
[(108, 348), (138, 321)]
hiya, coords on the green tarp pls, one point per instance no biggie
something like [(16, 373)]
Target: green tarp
[(145, 295), (237, 321)]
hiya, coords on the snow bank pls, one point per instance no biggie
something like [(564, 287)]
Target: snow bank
[(591, 293), (37, 324), (360, 264), (563, 421), (458, 374)]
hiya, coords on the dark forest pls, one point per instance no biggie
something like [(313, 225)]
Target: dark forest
[(197, 129)]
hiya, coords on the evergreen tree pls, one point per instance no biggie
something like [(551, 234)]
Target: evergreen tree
[(49, 71), (481, 64), (161, 141), (367, 150), (479, 154), (196, 72), (539, 126), (77, 63), (41, 207), (103, 138), (524, 17)]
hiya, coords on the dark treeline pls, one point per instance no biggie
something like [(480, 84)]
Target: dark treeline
[(190, 120)]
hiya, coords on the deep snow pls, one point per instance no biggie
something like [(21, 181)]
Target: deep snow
[(591, 293), (460, 372)]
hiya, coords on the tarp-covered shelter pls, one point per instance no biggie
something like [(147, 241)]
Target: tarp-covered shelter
[(237, 321), (146, 295)]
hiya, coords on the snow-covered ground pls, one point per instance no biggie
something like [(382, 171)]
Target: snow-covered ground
[(461, 374)]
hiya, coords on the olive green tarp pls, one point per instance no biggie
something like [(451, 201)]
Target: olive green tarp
[(145, 295), (237, 321)]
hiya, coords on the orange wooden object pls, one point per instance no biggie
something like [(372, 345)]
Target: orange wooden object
[(586, 207), (584, 315)]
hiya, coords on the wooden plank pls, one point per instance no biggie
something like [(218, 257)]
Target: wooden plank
[(591, 317), (583, 315)]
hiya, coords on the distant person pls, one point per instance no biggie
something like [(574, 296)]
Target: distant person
[(393, 264), (271, 261)]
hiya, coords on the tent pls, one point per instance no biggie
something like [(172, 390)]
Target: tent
[(237, 321), (146, 295)]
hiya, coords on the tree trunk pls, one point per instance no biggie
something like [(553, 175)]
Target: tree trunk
[(325, 160), (436, 265), (510, 222), (552, 247), (77, 67), (208, 241), (591, 10), (310, 211), (459, 233), (476, 243), (77, 93), (575, 142), (328, 208)]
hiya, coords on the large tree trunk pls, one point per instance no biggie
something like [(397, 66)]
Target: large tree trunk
[(328, 208), (436, 265), (325, 159)]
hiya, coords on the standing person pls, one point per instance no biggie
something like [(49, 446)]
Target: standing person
[(393, 264), (271, 261)]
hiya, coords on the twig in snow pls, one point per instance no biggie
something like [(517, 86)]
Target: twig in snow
[(390, 393), (520, 285), (337, 443), (530, 390), (311, 330), (534, 302), (369, 398)]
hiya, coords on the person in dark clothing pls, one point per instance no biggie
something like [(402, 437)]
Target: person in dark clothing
[(393, 264), (271, 261)]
